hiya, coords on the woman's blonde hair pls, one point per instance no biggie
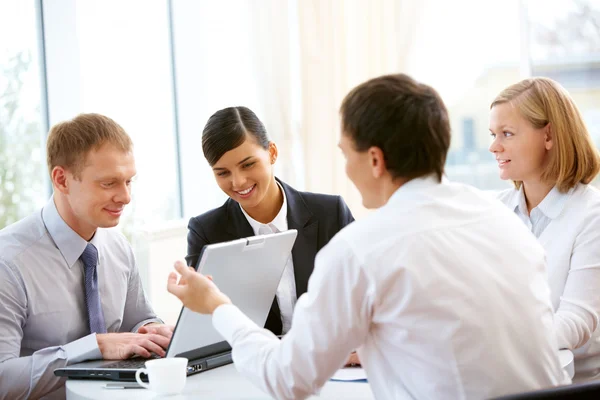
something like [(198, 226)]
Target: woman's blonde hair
[(573, 158)]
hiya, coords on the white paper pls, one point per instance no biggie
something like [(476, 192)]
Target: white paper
[(349, 374)]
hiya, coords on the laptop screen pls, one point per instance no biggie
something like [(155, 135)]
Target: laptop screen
[(248, 271)]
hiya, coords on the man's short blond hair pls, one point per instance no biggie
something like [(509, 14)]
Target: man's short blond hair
[(573, 158), (69, 142)]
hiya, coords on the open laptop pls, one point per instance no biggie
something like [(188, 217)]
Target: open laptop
[(247, 270)]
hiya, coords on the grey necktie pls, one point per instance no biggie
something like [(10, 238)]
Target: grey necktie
[(92, 295)]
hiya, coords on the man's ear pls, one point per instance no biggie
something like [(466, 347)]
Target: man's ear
[(59, 179), (548, 136), (377, 161)]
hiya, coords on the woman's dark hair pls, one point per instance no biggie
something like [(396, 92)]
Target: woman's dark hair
[(406, 119), (227, 129)]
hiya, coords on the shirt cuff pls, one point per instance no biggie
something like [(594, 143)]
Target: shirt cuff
[(82, 349), (228, 319), (146, 322)]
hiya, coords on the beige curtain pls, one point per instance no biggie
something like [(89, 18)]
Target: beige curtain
[(343, 43), (274, 67)]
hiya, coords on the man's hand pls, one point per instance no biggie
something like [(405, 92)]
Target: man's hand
[(353, 361), (119, 346), (196, 291), (157, 329)]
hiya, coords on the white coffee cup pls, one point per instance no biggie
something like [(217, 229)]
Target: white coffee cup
[(165, 375)]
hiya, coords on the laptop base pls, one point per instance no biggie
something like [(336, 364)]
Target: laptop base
[(128, 375)]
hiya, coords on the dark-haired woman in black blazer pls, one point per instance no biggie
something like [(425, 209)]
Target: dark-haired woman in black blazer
[(236, 146)]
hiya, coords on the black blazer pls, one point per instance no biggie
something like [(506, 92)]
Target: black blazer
[(317, 217)]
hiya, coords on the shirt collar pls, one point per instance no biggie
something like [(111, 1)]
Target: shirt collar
[(415, 187), (519, 204), (69, 243), (551, 206), (280, 220), (554, 202)]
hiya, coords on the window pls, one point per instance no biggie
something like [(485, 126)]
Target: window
[(23, 185), (125, 73), (469, 51), (211, 74), (564, 43), (477, 48)]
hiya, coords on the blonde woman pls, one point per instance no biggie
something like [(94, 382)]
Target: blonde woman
[(542, 144)]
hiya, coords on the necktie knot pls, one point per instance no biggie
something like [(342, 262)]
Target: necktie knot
[(90, 256)]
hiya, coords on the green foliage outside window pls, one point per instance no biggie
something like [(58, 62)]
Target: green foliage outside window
[(22, 169)]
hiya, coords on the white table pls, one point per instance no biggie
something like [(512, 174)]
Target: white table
[(226, 383), (219, 383)]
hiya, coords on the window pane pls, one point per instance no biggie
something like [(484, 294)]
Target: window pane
[(22, 166), (216, 67), (126, 74), (469, 50), (565, 46)]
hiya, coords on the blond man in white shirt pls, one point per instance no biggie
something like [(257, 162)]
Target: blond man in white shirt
[(438, 300), (543, 146)]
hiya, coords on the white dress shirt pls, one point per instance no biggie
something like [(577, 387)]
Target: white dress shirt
[(442, 291), (286, 291), (568, 227)]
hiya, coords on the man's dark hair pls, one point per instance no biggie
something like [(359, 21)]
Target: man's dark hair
[(406, 119), (227, 129)]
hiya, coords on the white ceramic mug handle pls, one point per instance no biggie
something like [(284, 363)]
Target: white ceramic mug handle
[(139, 379)]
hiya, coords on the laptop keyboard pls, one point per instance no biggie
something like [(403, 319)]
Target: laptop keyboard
[(131, 363)]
